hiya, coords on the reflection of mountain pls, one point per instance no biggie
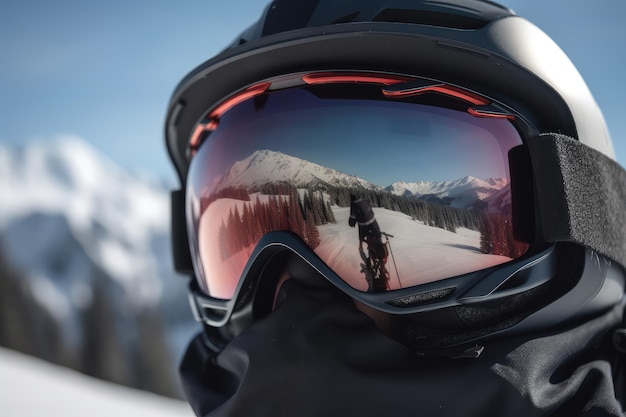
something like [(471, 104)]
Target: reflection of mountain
[(500, 200), (263, 167), (461, 193)]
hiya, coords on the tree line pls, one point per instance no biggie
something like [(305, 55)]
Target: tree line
[(496, 229), (430, 213), (129, 349), (285, 208), (282, 209)]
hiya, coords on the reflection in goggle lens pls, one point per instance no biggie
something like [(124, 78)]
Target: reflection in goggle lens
[(388, 194)]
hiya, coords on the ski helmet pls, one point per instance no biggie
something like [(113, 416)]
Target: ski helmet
[(471, 54)]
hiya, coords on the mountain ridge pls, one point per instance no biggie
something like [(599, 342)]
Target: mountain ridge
[(285, 168), (85, 263), (266, 166)]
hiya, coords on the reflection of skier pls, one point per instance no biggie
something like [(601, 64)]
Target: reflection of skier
[(361, 213)]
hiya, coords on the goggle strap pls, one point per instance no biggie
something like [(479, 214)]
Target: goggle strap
[(522, 189), (581, 194), (180, 242)]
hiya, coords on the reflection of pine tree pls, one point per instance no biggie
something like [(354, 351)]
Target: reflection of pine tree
[(436, 216), (328, 212), (294, 214), (264, 218), (238, 230), (496, 236), (247, 228), (486, 235), (258, 218), (312, 234), (283, 215), (287, 208), (340, 196), (284, 210), (272, 210), (315, 204), (307, 204), (318, 209), (224, 240), (232, 232), (235, 193)]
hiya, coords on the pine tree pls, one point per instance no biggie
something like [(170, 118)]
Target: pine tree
[(232, 232), (318, 211), (312, 234), (328, 212), (238, 232), (151, 356), (246, 226), (103, 356), (223, 237), (294, 214)]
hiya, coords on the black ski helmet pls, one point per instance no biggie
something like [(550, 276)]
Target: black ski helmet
[(471, 42), (477, 44)]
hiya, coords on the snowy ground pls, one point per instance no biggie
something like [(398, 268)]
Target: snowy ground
[(422, 254), (32, 387)]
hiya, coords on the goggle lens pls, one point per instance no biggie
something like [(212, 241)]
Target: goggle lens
[(424, 182)]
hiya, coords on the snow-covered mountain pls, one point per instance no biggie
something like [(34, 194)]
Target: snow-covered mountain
[(86, 245), (266, 166), (120, 221), (461, 193)]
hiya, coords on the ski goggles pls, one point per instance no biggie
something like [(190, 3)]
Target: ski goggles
[(382, 183)]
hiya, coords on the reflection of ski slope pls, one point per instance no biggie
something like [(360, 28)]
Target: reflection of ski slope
[(423, 254), (225, 277), (223, 281)]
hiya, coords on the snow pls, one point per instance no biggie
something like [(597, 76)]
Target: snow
[(50, 297), (422, 254), (274, 167), (33, 388), (265, 166), (463, 191), (114, 216), (223, 276), (77, 229)]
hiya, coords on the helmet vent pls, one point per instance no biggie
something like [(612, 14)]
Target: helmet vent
[(431, 18)]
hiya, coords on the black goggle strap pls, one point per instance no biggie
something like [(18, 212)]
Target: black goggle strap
[(181, 254), (581, 195)]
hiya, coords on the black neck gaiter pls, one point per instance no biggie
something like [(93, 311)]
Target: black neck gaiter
[(317, 355)]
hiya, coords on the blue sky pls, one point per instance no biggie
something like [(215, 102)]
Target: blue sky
[(104, 71), (381, 143)]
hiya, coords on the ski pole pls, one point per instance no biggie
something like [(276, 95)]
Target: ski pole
[(393, 258)]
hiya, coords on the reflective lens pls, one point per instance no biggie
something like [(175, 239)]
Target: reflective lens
[(388, 192)]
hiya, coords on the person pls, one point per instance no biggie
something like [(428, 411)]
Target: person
[(361, 213), (269, 137)]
